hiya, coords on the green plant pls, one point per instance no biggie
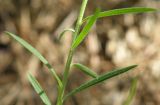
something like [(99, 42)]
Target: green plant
[(132, 91), (78, 37)]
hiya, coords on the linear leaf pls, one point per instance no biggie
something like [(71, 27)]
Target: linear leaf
[(28, 47), (64, 31), (86, 70), (100, 79), (132, 92), (39, 89), (85, 30), (122, 11), (36, 53)]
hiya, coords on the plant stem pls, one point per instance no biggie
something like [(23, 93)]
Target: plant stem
[(80, 18), (65, 78), (70, 55)]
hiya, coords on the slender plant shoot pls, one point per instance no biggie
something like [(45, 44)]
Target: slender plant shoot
[(78, 38)]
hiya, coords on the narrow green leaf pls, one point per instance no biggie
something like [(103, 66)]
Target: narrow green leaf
[(39, 89), (64, 31), (36, 53), (85, 30), (122, 11), (132, 92), (86, 70), (100, 79), (28, 47)]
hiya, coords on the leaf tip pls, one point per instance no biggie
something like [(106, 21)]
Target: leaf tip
[(133, 66), (6, 32), (153, 9)]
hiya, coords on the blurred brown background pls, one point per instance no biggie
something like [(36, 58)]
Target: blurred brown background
[(113, 42)]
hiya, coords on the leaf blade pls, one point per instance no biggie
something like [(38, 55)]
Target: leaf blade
[(122, 11), (100, 79), (85, 30), (36, 53), (85, 69), (37, 87), (125, 11), (28, 47), (132, 92), (64, 31)]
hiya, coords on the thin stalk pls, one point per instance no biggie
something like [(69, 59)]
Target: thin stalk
[(59, 98), (70, 55), (64, 82), (80, 19)]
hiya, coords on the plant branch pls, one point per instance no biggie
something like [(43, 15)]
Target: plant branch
[(70, 55), (80, 18)]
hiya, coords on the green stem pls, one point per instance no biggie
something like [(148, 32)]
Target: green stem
[(80, 18), (59, 100), (64, 82), (65, 78), (70, 55)]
